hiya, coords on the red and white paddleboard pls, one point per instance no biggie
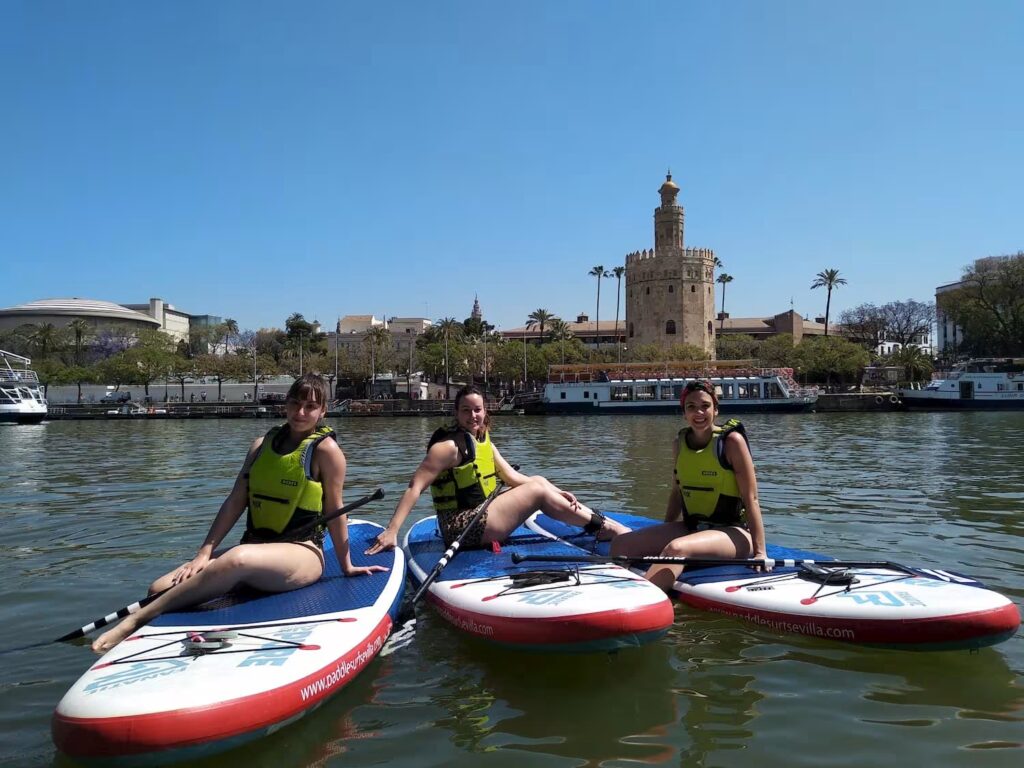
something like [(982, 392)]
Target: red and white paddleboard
[(565, 607), (874, 604), (196, 682)]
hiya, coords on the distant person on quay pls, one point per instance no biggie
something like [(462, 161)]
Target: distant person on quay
[(279, 550), (461, 469), (712, 510)]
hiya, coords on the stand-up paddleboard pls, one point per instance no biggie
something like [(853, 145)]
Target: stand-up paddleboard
[(884, 605), (200, 681), (600, 607)]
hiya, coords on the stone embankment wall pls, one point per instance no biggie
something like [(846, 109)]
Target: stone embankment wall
[(868, 401)]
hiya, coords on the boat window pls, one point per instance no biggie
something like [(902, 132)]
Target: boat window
[(644, 391), (726, 388), (773, 391), (563, 395), (620, 392), (671, 391), (586, 394)]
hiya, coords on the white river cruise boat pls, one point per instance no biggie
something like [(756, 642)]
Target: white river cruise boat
[(638, 388), (989, 384), (21, 401)]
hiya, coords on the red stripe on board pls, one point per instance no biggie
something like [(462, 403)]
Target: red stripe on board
[(174, 729), (895, 631), (559, 630)]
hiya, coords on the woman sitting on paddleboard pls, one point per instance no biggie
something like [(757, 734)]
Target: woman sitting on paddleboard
[(714, 490), (289, 477), (461, 469)]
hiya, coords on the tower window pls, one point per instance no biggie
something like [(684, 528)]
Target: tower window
[(670, 327), (671, 289), (631, 330), (711, 329), (693, 289), (648, 291)]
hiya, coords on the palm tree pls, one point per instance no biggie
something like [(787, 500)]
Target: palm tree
[(598, 272), (81, 328), (619, 272), (230, 329), (561, 332), (724, 279), (828, 279), (449, 328), (43, 338), (539, 317)]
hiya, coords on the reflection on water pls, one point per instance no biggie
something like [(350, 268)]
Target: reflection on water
[(94, 510)]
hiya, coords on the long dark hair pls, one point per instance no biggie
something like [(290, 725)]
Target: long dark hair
[(473, 389)]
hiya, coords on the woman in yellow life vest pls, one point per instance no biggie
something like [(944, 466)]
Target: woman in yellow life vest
[(462, 467), (289, 477), (712, 509)]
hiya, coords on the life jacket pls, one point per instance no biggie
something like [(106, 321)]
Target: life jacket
[(467, 485), (283, 496), (707, 481)]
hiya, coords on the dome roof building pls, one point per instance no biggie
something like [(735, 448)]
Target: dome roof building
[(60, 312)]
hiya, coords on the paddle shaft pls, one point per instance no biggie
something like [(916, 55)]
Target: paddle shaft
[(705, 561), (454, 548), (134, 607)]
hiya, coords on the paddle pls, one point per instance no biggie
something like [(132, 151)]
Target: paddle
[(454, 548), (134, 607), (706, 561)]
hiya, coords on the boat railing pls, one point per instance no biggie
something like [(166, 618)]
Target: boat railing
[(18, 376)]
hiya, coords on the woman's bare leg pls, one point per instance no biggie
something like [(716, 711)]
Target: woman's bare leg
[(510, 509), (269, 567), (719, 542)]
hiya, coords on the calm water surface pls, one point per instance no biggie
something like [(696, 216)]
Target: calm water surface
[(95, 510)]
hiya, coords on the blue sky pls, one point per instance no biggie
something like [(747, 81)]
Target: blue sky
[(254, 159)]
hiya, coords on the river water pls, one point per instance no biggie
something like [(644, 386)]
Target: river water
[(95, 509)]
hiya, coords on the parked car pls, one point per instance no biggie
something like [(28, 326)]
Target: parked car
[(116, 397)]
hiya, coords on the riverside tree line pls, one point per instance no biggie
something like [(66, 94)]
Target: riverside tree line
[(988, 306)]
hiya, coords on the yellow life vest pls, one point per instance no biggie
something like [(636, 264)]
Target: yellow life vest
[(467, 485), (283, 496), (707, 481)]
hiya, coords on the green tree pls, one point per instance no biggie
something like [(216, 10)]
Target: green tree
[(152, 355), (82, 330), (864, 324), (777, 351), (448, 329), (44, 338), (723, 280), (599, 273), (736, 346), (379, 343), (989, 306), (618, 272), (827, 358), (828, 279), (561, 332), (539, 318), (917, 365)]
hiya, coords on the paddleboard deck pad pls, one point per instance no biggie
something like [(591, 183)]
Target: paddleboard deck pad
[(200, 681), (566, 608), (885, 605)]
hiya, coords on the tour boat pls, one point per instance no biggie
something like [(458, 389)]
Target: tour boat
[(989, 384), (21, 401), (637, 388)]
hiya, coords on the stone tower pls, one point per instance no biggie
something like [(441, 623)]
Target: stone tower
[(670, 296), (476, 314)]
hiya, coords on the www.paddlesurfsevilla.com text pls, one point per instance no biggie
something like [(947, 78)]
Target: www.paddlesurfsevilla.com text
[(343, 670), (842, 633)]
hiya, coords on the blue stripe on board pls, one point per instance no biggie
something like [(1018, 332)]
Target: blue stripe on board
[(333, 592)]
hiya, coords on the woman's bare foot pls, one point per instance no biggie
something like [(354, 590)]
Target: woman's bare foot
[(112, 637)]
